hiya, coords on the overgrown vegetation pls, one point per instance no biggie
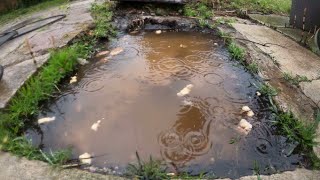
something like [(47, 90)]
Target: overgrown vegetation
[(265, 6), (267, 90), (236, 52), (294, 80), (200, 10), (26, 9), (24, 107)]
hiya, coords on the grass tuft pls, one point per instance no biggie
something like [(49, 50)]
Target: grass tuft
[(236, 52), (200, 10), (253, 67), (267, 90), (294, 80)]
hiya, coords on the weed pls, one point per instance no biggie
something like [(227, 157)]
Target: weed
[(294, 129), (227, 21), (236, 51), (152, 169), (294, 80), (199, 10), (102, 14), (267, 90), (253, 67), (256, 169)]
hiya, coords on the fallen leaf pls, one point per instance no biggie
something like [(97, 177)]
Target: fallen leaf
[(46, 120), (116, 51), (102, 53)]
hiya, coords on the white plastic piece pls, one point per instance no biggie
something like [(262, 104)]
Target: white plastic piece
[(85, 158), (185, 91), (46, 120), (96, 125), (73, 79)]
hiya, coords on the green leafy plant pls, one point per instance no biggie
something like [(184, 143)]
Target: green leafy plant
[(253, 67), (236, 51), (268, 90), (294, 80)]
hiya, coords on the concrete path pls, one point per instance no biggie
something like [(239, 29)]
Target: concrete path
[(15, 55)]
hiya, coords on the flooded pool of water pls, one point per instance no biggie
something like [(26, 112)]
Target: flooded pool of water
[(134, 96)]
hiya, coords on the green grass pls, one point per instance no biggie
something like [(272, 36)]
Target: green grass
[(265, 6), (200, 10), (236, 52), (102, 14), (253, 67), (294, 80), (25, 105), (267, 90), (10, 15)]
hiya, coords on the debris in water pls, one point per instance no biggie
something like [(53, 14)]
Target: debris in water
[(85, 158), (250, 113), (215, 44), (73, 79), (158, 31), (82, 61), (245, 109), (171, 174), (96, 125), (46, 120), (102, 53), (244, 124), (258, 93), (186, 90), (116, 51), (187, 102), (183, 46)]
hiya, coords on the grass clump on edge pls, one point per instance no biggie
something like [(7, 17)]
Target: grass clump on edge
[(24, 106), (10, 15), (294, 80), (265, 6), (200, 10), (236, 51)]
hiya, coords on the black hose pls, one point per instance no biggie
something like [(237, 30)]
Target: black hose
[(12, 32)]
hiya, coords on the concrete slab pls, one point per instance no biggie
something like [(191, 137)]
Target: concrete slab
[(14, 168), (15, 54)]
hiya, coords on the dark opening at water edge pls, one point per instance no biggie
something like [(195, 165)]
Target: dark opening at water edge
[(133, 99)]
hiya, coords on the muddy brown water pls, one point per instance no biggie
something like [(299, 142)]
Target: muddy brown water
[(134, 95)]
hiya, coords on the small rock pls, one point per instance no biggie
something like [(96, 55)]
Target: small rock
[(116, 51), (82, 61), (215, 44), (96, 125), (244, 124), (73, 79), (186, 90), (46, 120), (102, 53), (183, 46), (85, 158), (258, 93), (158, 32), (250, 113), (134, 32)]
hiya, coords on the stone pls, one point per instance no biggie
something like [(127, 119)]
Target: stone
[(116, 51), (96, 125), (73, 80), (82, 61), (85, 158), (102, 53), (158, 32), (244, 124), (250, 113)]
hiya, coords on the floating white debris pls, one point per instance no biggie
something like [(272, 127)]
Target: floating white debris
[(116, 51), (158, 31), (258, 93), (244, 124), (186, 90), (96, 125), (85, 158), (215, 44), (183, 46), (171, 174), (250, 113), (102, 53), (46, 120), (187, 102), (82, 61), (73, 79), (245, 109)]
